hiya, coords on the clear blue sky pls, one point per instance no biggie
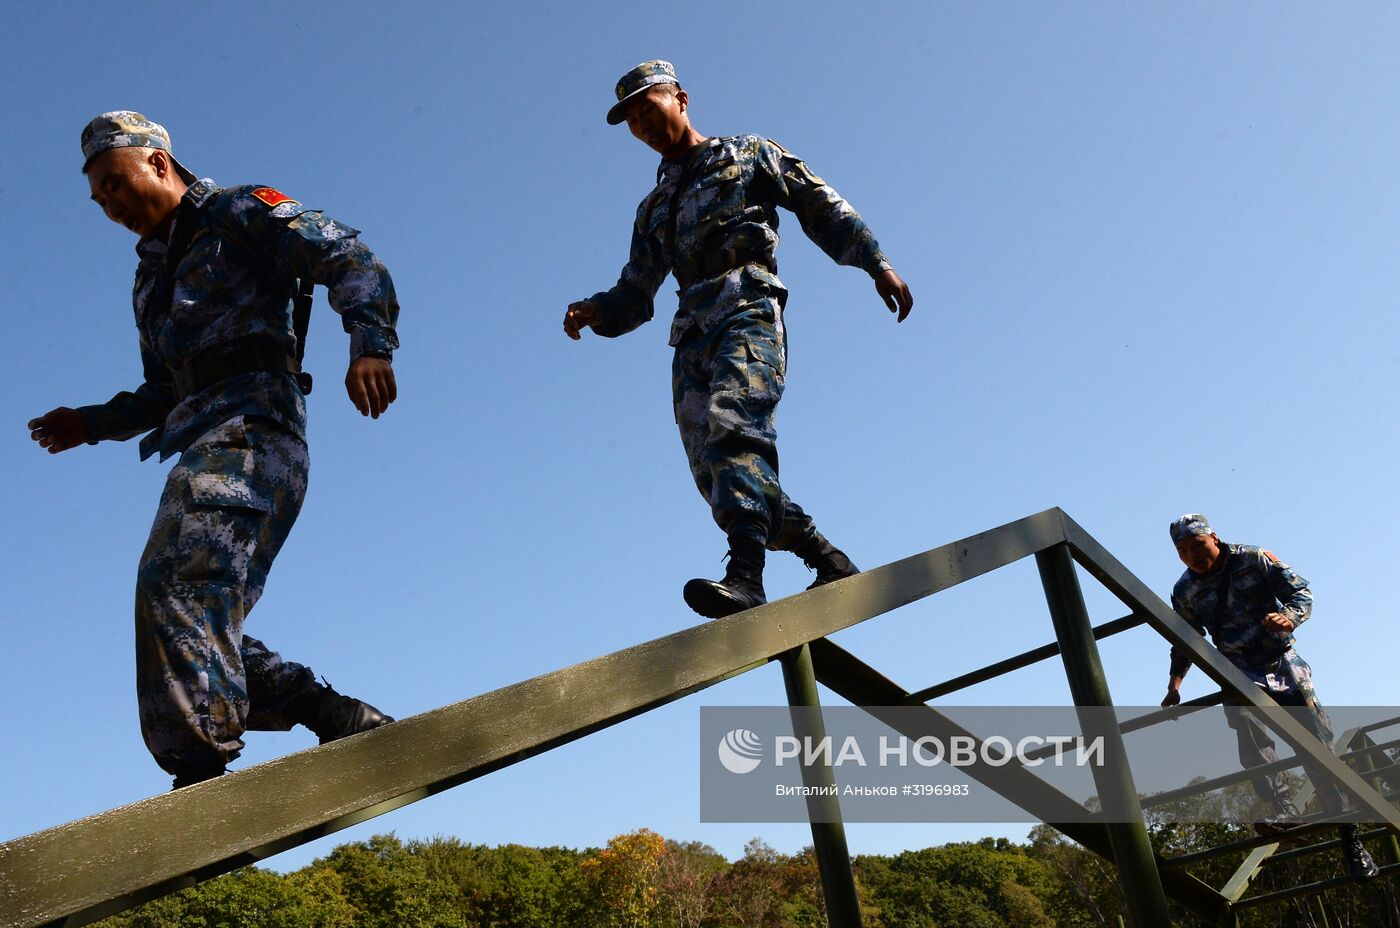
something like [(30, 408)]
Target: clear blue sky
[(1155, 261)]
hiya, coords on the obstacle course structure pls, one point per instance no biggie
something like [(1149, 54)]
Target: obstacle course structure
[(82, 871)]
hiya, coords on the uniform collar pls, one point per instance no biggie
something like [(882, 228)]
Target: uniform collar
[(196, 195), (673, 168)]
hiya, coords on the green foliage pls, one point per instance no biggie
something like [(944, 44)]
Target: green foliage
[(247, 898), (991, 883), (641, 880)]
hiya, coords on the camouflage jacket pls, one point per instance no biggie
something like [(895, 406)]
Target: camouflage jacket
[(1253, 583), (726, 215), (235, 282)]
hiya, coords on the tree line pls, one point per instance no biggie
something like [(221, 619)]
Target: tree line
[(642, 880)]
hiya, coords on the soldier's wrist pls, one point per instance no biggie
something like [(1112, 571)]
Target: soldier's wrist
[(373, 341)]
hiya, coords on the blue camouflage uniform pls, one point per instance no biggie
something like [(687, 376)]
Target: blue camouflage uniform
[(713, 222), (1230, 603), (230, 501)]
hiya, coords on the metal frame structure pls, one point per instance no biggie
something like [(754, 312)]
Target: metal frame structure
[(82, 871)]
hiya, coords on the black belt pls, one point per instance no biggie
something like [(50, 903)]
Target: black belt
[(245, 357), (714, 263)]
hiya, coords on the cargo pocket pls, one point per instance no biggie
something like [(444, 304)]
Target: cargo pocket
[(224, 521), (229, 491), (766, 365)]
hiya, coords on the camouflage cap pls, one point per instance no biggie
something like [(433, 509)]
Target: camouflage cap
[(637, 81), (128, 129), (1193, 523)]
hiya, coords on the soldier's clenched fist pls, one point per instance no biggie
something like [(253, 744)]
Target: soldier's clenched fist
[(578, 316), (58, 430)]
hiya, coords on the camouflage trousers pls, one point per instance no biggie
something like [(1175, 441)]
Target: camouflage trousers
[(725, 387), (1289, 682), (227, 507)]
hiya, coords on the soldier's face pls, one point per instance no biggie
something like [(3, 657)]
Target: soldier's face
[(132, 187), (1199, 552), (658, 118)]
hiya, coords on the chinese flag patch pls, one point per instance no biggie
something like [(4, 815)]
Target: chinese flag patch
[(1270, 556), (272, 197)]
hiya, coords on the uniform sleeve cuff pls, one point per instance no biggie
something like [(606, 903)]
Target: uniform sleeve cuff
[(92, 423), (373, 342), (879, 266)]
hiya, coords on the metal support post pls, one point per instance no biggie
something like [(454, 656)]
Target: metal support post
[(1132, 852), (828, 833), (1366, 766)]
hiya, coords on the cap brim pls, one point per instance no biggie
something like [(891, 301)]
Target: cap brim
[(618, 113), (185, 173)]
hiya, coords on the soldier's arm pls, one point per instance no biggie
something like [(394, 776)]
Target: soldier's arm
[(312, 246), (1180, 661), (1290, 589), (132, 412), (126, 415), (831, 222), (1180, 657), (630, 302)]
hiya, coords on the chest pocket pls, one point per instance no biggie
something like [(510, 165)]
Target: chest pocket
[(722, 172), (1246, 581)]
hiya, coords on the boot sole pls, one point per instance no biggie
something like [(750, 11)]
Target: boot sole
[(817, 583), (711, 601)]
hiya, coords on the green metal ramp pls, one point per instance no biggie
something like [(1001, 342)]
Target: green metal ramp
[(82, 871)]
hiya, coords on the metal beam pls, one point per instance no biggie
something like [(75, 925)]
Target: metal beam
[(823, 808), (84, 870), (1024, 659), (1308, 889), (1321, 846), (1172, 714), (1375, 726), (1245, 844), (1144, 721), (1235, 887), (1127, 832), (1239, 776)]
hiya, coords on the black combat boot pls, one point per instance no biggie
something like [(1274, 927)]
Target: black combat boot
[(1360, 866), (829, 561), (331, 716), (741, 588), (190, 775), (1283, 819)]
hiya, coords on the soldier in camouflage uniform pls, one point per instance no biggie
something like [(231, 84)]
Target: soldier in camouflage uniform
[(1250, 603), (712, 222), (223, 389)]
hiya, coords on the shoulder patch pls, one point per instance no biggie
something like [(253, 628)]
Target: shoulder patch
[(272, 197), (1269, 555)]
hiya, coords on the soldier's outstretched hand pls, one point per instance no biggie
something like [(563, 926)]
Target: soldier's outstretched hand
[(577, 316), (895, 292), (58, 429), (1278, 622), (371, 385)]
